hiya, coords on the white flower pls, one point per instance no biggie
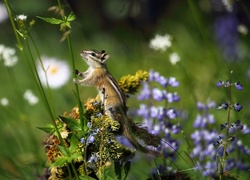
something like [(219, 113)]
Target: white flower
[(242, 29), (228, 4), (174, 58), (57, 72), (160, 42), (4, 102), (30, 97), (3, 13), (2, 47), (8, 55), (21, 17)]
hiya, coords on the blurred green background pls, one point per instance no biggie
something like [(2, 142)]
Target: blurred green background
[(123, 29)]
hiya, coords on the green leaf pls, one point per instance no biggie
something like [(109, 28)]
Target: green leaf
[(60, 161), (49, 129), (73, 143), (118, 169), (126, 169), (86, 178), (72, 124), (75, 156), (71, 17), (107, 173), (122, 170), (51, 20), (63, 150)]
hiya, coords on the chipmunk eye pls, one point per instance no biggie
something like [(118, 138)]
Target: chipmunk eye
[(92, 54)]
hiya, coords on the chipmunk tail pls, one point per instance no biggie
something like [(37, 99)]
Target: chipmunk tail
[(132, 139)]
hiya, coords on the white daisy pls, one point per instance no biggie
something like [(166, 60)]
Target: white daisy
[(174, 58), (228, 4), (8, 55), (242, 29), (4, 101), (30, 97), (3, 13), (160, 42), (57, 72)]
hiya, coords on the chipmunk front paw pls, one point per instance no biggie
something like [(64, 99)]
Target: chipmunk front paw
[(77, 72), (75, 81)]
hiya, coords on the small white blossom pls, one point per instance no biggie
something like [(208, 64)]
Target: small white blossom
[(160, 42), (64, 134), (174, 58), (30, 97), (228, 4), (54, 72), (2, 47), (4, 102), (8, 55), (242, 29), (3, 13), (21, 17)]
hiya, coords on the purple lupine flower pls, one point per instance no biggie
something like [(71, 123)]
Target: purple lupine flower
[(243, 166), (227, 35), (90, 139), (157, 117), (245, 130), (237, 107), (171, 113), (198, 122), (154, 112), (242, 148), (201, 106), (82, 140), (92, 160), (227, 83), (153, 76), (143, 111), (172, 97), (173, 82), (196, 136), (89, 124), (175, 129), (209, 168), (230, 164), (202, 120), (145, 92), (157, 94), (238, 86), (220, 83), (162, 81), (124, 141), (223, 106)]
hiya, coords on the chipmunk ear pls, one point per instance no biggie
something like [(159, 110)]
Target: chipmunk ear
[(104, 57)]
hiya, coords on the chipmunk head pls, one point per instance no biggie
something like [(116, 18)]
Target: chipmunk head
[(94, 58)]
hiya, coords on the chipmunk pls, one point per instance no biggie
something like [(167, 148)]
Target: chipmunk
[(113, 98)]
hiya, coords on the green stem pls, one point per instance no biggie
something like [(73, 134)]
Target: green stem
[(32, 69), (228, 126), (82, 119)]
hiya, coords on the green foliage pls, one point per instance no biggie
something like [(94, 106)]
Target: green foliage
[(64, 22)]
